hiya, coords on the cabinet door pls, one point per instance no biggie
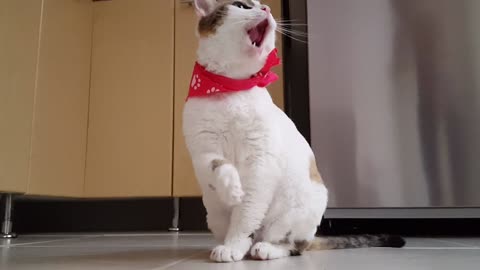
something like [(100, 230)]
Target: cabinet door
[(19, 33), (59, 132), (184, 182), (129, 152)]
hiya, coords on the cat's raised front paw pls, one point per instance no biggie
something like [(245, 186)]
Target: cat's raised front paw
[(229, 187)]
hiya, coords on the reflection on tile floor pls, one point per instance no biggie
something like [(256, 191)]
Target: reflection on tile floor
[(190, 251)]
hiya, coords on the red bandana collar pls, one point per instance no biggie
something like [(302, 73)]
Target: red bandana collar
[(204, 83)]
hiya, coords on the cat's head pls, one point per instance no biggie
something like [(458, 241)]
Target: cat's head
[(235, 37)]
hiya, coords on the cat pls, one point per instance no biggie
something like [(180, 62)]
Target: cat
[(261, 187)]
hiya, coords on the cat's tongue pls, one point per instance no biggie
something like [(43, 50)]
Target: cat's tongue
[(254, 34), (257, 33)]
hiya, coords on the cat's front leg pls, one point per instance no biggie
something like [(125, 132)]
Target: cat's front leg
[(218, 217), (247, 217)]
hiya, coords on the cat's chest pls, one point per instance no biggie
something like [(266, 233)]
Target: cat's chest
[(233, 118), (239, 109)]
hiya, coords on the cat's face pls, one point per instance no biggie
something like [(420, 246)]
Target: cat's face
[(235, 37)]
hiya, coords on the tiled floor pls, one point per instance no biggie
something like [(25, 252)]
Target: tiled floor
[(190, 251)]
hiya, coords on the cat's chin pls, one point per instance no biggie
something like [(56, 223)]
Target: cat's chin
[(255, 52), (258, 52)]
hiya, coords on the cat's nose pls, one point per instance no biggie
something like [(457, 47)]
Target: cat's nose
[(266, 8)]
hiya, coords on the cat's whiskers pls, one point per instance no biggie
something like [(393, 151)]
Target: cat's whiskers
[(293, 32), (297, 36), (284, 27), (291, 24), (294, 38)]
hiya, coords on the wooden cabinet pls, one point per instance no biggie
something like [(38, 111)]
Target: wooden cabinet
[(92, 94), (19, 35), (44, 74), (59, 134), (131, 99), (184, 182)]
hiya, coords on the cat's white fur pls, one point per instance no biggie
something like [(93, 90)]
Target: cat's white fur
[(251, 162)]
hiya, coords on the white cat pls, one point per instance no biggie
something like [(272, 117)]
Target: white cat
[(261, 187)]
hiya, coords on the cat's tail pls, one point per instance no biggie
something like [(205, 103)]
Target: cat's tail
[(357, 241)]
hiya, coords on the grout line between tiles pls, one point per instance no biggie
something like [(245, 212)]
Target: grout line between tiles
[(120, 234), (34, 245), (41, 242), (439, 243), (442, 248), (156, 234), (80, 235), (457, 243), (177, 262)]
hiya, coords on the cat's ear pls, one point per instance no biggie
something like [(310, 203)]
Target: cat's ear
[(204, 7)]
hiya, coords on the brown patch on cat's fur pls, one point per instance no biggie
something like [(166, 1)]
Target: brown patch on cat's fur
[(286, 239), (217, 163), (314, 174), (249, 3), (209, 24), (299, 247), (212, 187)]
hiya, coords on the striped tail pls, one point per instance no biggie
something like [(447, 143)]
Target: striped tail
[(356, 241)]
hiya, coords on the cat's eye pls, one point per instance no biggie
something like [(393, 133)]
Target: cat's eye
[(241, 5)]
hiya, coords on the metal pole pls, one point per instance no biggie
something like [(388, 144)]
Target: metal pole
[(7, 217), (176, 215)]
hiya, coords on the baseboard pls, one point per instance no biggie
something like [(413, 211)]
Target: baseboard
[(155, 215)]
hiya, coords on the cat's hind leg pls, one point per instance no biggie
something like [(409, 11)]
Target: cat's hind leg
[(270, 251), (289, 235)]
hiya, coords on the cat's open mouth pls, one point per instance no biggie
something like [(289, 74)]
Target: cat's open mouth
[(257, 33)]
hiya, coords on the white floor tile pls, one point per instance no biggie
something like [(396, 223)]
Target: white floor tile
[(190, 251)]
